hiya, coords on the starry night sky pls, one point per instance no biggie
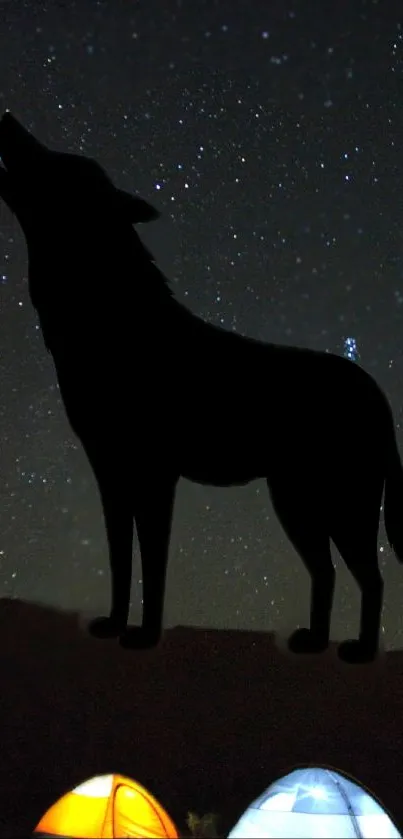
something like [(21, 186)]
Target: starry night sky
[(269, 135)]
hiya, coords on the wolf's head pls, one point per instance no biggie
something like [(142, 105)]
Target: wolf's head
[(40, 185)]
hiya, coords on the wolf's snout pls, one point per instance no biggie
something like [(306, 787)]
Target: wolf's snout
[(16, 142)]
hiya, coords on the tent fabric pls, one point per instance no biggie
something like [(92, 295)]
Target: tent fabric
[(107, 806), (315, 802)]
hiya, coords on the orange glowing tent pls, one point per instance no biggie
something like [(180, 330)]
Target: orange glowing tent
[(107, 806)]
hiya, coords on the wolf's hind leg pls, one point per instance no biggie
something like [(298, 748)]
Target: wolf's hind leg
[(309, 537)]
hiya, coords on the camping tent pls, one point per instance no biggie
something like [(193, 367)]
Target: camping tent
[(315, 802), (107, 806)]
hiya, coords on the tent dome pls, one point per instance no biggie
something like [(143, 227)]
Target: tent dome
[(315, 802), (107, 806)]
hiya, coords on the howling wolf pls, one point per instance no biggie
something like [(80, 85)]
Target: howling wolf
[(154, 394)]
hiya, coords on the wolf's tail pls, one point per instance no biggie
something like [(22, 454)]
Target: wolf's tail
[(393, 500)]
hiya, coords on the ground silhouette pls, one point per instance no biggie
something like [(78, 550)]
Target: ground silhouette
[(155, 393), (73, 707)]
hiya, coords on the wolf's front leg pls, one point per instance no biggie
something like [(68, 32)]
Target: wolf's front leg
[(153, 510), (118, 516)]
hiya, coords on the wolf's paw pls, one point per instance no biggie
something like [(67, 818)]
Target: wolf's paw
[(137, 638), (105, 628), (304, 641), (355, 652)]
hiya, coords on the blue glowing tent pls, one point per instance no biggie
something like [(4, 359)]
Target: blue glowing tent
[(315, 802)]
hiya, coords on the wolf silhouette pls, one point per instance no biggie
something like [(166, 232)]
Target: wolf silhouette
[(154, 394)]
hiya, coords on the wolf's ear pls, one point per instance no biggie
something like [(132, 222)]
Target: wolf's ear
[(135, 209)]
